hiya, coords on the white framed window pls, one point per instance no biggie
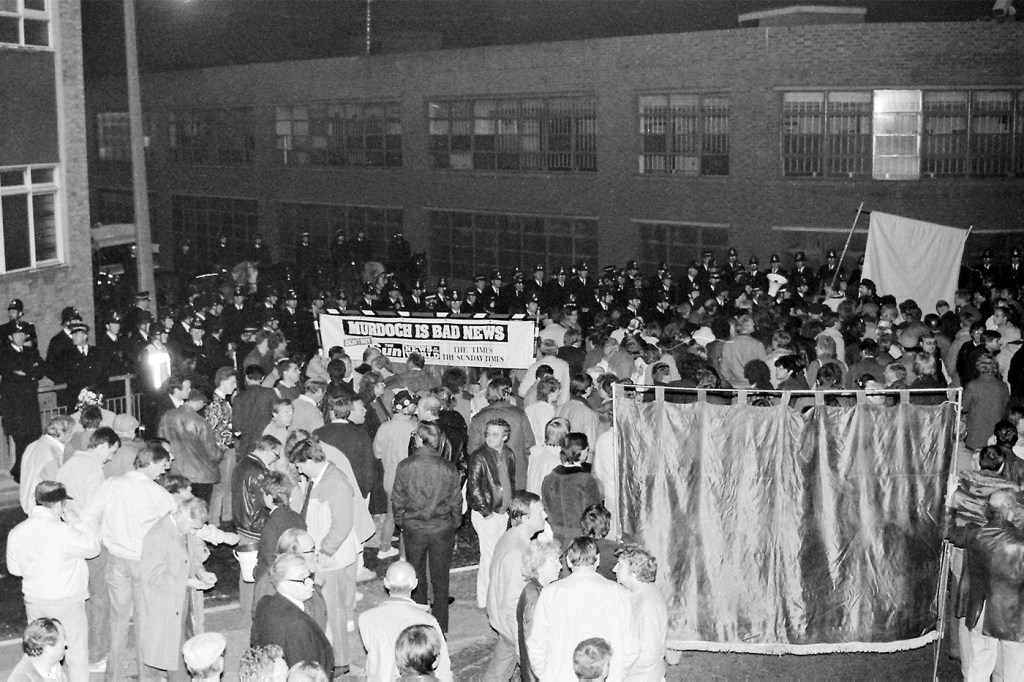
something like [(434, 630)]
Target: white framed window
[(29, 217), (25, 23), (897, 135)]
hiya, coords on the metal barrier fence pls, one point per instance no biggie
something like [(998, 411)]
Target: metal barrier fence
[(129, 403)]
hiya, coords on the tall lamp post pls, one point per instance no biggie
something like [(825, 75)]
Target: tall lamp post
[(143, 236)]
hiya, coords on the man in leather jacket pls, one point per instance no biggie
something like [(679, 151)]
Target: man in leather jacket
[(489, 489), (248, 510), (991, 599)]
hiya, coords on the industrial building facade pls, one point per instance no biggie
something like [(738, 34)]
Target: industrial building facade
[(44, 197), (652, 147)]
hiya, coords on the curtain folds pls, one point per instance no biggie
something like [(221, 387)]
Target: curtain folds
[(780, 532)]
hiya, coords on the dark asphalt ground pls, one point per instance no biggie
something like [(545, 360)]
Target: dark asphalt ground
[(470, 659)]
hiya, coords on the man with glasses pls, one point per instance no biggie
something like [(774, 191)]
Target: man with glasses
[(281, 618)]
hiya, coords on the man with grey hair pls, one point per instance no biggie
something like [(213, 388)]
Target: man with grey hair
[(547, 354), (636, 570), (43, 458), (380, 626), (581, 605), (992, 597)]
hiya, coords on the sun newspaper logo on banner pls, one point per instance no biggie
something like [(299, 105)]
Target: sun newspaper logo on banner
[(506, 343)]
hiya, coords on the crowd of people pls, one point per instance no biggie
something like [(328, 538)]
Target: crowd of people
[(303, 459)]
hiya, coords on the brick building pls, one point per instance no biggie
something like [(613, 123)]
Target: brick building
[(44, 194), (765, 137)]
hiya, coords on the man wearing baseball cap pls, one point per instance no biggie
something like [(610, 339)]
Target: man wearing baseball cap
[(50, 555), (391, 446)]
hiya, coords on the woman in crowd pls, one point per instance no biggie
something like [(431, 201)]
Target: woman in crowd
[(371, 390), (547, 454), (569, 489), (541, 566)]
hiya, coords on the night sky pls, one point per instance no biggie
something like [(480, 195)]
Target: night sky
[(185, 34)]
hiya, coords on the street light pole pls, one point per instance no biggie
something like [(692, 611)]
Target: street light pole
[(143, 238)]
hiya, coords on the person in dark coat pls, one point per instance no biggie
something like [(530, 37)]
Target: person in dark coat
[(347, 433), (21, 368), (252, 408), (427, 504), (279, 621), (78, 366), (277, 490), (569, 489)]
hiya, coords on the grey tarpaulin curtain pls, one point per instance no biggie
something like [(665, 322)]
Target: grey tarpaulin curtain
[(780, 532)]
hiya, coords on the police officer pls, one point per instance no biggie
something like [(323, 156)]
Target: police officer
[(1014, 276), (831, 275), (16, 314), (537, 283), (79, 366), (557, 290), (986, 273), (754, 278), (21, 368), (801, 273)]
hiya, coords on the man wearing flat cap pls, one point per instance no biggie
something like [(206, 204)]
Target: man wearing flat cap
[(204, 656), (50, 555), (21, 368)]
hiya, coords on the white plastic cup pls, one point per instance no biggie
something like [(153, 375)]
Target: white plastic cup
[(247, 564)]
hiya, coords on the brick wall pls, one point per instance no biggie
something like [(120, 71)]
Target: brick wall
[(753, 66), (47, 290)]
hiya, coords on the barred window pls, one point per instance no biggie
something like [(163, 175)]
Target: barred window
[(202, 219), (340, 134), (897, 132), (684, 134), (992, 128), (25, 22), (113, 140), (464, 243), (212, 136), (532, 134), (944, 136), (677, 243), (29, 221), (324, 221), (826, 134)]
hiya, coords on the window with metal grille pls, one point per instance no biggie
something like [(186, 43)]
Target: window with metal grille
[(826, 134), (944, 134), (463, 244), (684, 134), (212, 136), (677, 243), (991, 133), (325, 221), (897, 135), (202, 219), (529, 134), (25, 23), (340, 134), (113, 141), (29, 222)]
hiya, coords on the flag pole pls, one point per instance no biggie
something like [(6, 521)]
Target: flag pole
[(846, 247)]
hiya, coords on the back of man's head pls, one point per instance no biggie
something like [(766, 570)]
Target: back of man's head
[(583, 552), (400, 580)]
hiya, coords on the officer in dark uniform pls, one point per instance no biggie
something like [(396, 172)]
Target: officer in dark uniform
[(707, 261), (416, 301), (661, 311), (666, 286), (775, 266), (238, 315), (438, 301), (224, 257), (400, 257), (307, 261), (831, 271), (259, 253), (268, 306), (1014, 276), (16, 314), (754, 278), (801, 273), (21, 368), (129, 321), (391, 301), (986, 273), (516, 296), (655, 281), (112, 347), (732, 270), (61, 341), (78, 366), (360, 250), (472, 303), (289, 318), (483, 292), (558, 291), (341, 263), (537, 283), (454, 303), (496, 293), (582, 287)]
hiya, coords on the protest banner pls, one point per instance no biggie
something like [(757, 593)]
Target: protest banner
[(498, 341)]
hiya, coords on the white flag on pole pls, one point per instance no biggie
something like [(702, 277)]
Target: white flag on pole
[(913, 259)]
